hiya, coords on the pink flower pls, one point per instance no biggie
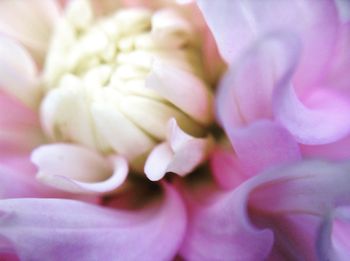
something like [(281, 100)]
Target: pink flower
[(89, 145)]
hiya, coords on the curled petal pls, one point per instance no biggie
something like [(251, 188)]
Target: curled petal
[(339, 234), (325, 120), (294, 201), (30, 22), (78, 169), (242, 99), (70, 230), (18, 72), (236, 24), (181, 153), (289, 198)]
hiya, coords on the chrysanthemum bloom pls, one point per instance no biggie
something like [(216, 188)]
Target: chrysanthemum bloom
[(126, 90)]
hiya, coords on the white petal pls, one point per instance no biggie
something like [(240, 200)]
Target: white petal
[(117, 130), (181, 154), (77, 169), (184, 90), (30, 22), (153, 116), (158, 161), (65, 113)]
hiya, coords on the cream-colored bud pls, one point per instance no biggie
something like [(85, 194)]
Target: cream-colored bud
[(102, 85)]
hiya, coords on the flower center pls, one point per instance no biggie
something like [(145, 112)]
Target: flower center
[(98, 78)]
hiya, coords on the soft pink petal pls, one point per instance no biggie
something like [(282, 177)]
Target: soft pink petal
[(221, 230), (19, 127), (263, 144), (289, 198), (55, 229), (79, 170), (180, 154), (338, 150), (30, 22), (243, 98), (236, 24), (20, 181), (184, 90), (340, 234), (325, 120), (18, 73), (294, 201), (226, 168), (340, 64)]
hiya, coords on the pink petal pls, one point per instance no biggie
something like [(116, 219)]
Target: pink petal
[(236, 24), (293, 201), (340, 64), (70, 230), (19, 127), (30, 22), (226, 168), (263, 144), (325, 120), (18, 181), (339, 234), (221, 230), (18, 73), (338, 150), (77, 169), (289, 198), (180, 154), (242, 99)]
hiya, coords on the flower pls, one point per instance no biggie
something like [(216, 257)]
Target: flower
[(265, 200)]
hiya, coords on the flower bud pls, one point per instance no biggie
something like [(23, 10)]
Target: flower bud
[(113, 83)]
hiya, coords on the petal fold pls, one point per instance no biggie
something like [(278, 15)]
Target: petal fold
[(180, 154), (78, 170), (236, 24)]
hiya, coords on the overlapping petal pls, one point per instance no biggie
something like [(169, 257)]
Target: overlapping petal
[(236, 24), (30, 22), (180, 154), (56, 229), (293, 201)]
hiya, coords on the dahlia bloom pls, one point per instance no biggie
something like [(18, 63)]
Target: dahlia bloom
[(101, 99)]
